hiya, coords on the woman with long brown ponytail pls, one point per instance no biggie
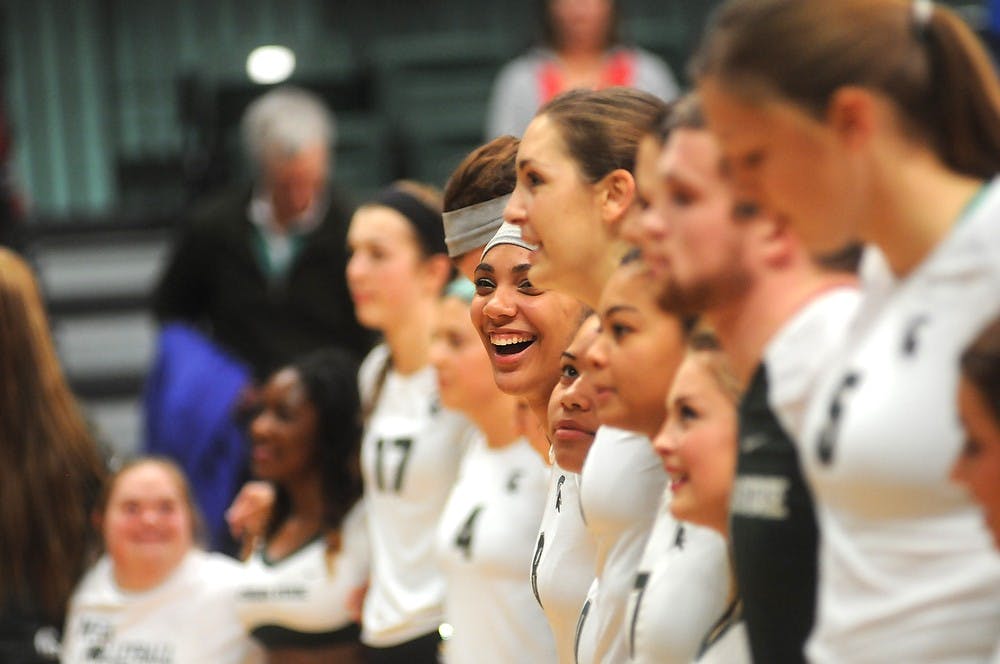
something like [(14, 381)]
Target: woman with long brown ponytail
[(879, 121)]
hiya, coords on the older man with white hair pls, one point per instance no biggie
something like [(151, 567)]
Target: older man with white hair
[(262, 268), (257, 278)]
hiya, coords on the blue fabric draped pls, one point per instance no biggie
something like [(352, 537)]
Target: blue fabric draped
[(190, 399)]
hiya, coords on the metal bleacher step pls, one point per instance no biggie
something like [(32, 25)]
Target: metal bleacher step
[(97, 280)]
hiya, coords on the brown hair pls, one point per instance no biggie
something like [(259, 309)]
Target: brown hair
[(198, 530), (420, 205), (704, 347), (981, 365), (486, 173), (938, 74), (427, 194), (601, 129), (50, 470)]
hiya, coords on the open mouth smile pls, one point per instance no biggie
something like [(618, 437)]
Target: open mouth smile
[(511, 344)]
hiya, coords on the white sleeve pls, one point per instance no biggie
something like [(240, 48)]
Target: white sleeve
[(513, 99), (653, 75)]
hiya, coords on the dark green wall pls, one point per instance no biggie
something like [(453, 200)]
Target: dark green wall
[(93, 85)]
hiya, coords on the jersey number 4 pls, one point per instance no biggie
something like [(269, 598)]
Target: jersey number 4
[(463, 540), (403, 447)]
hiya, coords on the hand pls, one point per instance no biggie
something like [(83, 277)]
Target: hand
[(356, 602), (247, 516)]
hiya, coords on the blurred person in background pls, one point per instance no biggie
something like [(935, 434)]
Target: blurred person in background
[(255, 279), (261, 269), (50, 476), (154, 596), (312, 556), (411, 447), (978, 466), (580, 47)]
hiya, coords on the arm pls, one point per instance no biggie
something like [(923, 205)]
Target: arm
[(184, 285)]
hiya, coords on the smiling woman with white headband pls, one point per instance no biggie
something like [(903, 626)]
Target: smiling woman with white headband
[(487, 530)]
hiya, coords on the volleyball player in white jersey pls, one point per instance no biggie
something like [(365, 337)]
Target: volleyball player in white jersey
[(698, 444), (313, 553), (622, 482), (412, 446), (562, 569), (523, 328), (681, 565), (574, 189), (898, 104), (487, 531)]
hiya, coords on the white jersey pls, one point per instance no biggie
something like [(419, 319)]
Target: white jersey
[(731, 647), (410, 455), (585, 638), (302, 598), (562, 568), (798, 356), (907, 570), (620, 489), (680, 590), (485, 542), (189, 618)]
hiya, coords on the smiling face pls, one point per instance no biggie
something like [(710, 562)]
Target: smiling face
[(558, 210), (634, 358), (147, 524), (792, 163), (386, 272), (701, 252), (523, 328), (698, 445), (465, 380), (572, 415), (978, 466), (283, 435)]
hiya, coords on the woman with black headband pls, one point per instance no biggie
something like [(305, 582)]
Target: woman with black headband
[(411, 446)]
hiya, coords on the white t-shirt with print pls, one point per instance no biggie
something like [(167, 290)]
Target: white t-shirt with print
[(307, 591), (189, 618)]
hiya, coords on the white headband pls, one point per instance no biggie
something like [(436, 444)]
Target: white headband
[(471, 227), (509, 234)]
